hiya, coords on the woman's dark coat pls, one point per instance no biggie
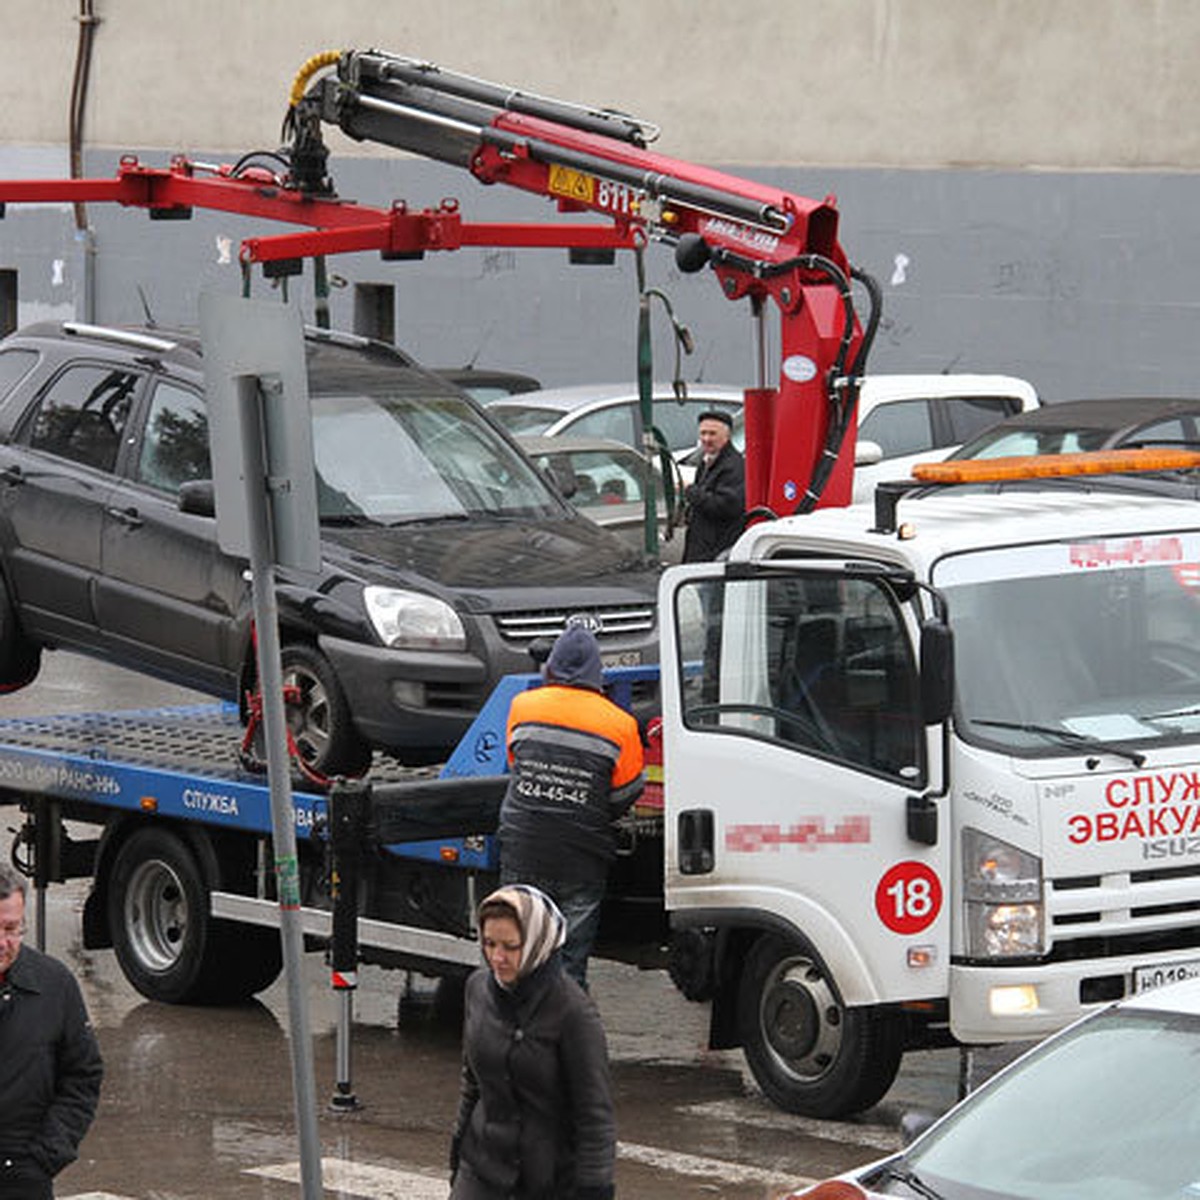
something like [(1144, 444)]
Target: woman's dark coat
[(535, 1118)]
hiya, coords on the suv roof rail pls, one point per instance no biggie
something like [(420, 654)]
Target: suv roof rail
[(123, 337)]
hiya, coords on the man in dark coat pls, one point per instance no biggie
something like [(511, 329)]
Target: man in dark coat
[(716, 500), (50, 1067)]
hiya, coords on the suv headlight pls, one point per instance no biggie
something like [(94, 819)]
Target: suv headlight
[(413, 620), (1002, 887)]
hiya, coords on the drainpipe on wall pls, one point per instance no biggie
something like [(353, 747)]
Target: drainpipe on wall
[(85, 238)]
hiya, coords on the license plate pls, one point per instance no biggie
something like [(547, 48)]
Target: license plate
[(622, 658), (1145, 979)]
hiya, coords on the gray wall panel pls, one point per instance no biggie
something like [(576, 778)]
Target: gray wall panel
[(1083, 282)]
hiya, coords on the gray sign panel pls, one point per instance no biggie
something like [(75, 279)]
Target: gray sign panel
[(264, 339)]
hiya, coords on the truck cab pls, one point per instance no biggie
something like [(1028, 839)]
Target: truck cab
[(879, 861)]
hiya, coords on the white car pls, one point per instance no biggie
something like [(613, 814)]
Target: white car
[(612, 410), (906, 419), (1108, 1109)]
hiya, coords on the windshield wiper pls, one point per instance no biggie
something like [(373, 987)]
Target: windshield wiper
[(911, 1180), (1192, 711), (1065, 737), (347, 519)]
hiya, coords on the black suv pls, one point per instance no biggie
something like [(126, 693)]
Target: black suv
[(445, 553)]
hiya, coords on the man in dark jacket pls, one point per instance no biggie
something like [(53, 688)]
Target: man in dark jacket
[(50, 1066), (576, 763), (716, 500)]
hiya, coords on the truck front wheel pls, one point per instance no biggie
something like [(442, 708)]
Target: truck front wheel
[(166, 940), (808, 1052)]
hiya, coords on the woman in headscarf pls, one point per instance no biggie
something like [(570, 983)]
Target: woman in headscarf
[(535, 1118)]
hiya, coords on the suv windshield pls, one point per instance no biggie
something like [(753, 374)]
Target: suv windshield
[(1061, 643), (399, 456)]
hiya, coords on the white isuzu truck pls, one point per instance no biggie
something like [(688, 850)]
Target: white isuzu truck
[(861, 858)]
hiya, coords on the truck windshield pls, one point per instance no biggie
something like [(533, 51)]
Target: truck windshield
[(1098, 642)]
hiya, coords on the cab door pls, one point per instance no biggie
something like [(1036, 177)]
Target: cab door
[(795, 752)]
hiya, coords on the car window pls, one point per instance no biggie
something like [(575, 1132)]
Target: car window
[(1170, 432), (602, 478), (1008, 442), (81, 416), (175, 445), (524, 418), (900, 428), (15, 364), (818, 664), (678, 422), (614, 422), (971, 415)]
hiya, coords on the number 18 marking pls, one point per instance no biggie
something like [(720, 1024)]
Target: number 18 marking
[(908, 898)]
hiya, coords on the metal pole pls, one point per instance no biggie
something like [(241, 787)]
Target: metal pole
[(270, 673), (347, 809), (645, 378)]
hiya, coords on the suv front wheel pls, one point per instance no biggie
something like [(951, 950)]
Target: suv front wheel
[(318, 716)]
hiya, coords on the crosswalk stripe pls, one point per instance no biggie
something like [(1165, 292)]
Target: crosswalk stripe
[(386, 1183), (96, 1196), (876, 1136), (707, 1168), (362, 1179)]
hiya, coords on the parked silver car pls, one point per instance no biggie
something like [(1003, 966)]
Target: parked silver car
[(1108, 1109)]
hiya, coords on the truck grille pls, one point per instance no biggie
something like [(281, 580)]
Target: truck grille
[(1124, 913), (617, 620)]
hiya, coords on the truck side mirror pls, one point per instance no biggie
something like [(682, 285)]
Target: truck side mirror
[(867, 453), (937, 672)]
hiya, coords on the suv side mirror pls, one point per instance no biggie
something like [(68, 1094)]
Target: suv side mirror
[(198, 497), (937, 672)]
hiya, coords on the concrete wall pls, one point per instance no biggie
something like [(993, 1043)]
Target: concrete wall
[(1001, 83), (1018, 174)]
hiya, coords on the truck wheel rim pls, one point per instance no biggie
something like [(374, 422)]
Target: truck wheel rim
[(800, 1020), (156, 915)]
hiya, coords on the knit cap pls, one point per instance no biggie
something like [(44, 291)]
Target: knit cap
[(575, 660)]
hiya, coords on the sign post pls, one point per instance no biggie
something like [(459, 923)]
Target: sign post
[(259, 418)]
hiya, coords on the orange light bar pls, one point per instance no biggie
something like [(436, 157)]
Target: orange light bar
[(1046, 466)]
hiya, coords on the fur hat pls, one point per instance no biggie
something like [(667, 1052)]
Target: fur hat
[(575, 660)]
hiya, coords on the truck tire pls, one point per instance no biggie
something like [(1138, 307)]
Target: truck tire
[(167, 943), (809, 1053), (320, 722)]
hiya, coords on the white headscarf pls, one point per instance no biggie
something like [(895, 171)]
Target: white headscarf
[(543, 927)]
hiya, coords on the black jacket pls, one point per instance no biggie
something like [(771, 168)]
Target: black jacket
[(535, 1117), (50, 1070), (716, 506)]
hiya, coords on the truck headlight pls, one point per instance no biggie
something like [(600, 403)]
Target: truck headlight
[(1003, 894), (413, 620)]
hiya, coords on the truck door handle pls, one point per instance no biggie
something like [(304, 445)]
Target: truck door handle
[(127, 517)]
